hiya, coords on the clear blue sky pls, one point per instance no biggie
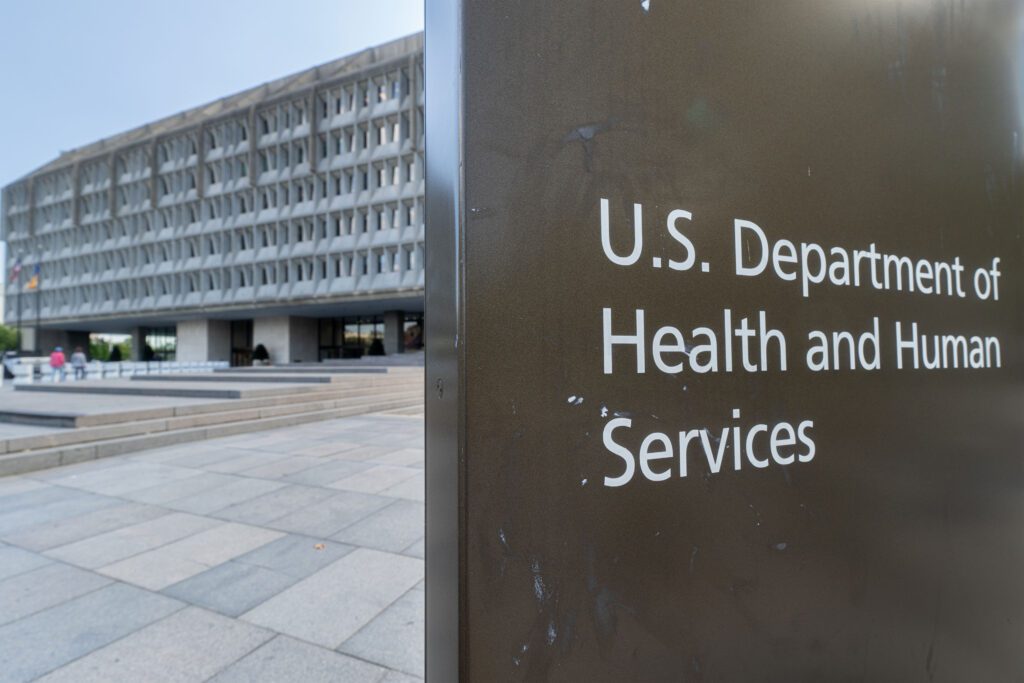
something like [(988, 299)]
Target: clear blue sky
[(74, 71)]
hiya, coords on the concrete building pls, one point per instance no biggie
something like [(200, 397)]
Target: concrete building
[(288, 215)]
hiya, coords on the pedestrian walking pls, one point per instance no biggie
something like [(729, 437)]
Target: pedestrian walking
[(78, 362), (57, 364)]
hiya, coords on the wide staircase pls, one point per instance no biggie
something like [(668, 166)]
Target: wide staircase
[(241, 401)]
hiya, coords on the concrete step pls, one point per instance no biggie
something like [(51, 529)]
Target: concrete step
[(231, 412), (217, 389), (58, 418), (295, 369), (272, 378), (39, 419), (33, 460)]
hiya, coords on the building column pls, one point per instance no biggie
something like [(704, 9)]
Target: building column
[(288, 339), (28, 340), (138, 343), (203, 340), (394, 332)]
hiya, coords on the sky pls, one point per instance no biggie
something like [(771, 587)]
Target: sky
[(72, 72)]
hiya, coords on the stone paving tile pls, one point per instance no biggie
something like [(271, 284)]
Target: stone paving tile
[(287, 659), (181, 488), (395, 638), (10, 486), (177, 561), (201, 458), (234, 493), (223, 543), (42, 588), (406, 457), (327, 472), (68, 530), (275, 504), (394, 528), (294, 447), (413, 488), (67, 470), (188, 646), (330, 606), (231, 588), (397, 677), (362, 452), (86, 515), (246, 460), (71, 504), (417, 549), (330, 515), (128, 476), (113, 546), (178, 454), (14, 561), (393, 441), (320, 450), (44, 641), (282, 468), (153, 570), (32, 497), (296, 555), (375, 479)]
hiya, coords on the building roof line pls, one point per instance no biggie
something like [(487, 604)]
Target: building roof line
[(264, 93)]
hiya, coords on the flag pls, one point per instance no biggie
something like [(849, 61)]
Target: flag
[(16, 271), (33, 281)]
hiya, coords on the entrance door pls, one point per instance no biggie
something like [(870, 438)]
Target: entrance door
[(241, 343)]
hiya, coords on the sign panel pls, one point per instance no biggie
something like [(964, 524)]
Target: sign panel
[(724, 340)]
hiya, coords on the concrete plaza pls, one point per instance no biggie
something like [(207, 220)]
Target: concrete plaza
[(285, 555)]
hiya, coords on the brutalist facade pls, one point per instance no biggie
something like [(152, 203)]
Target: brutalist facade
[(288, 215)]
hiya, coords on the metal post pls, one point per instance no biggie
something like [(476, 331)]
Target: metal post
[(445, 396), (17, 298)]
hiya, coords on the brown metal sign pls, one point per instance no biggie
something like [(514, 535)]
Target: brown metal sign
[(724, 340)]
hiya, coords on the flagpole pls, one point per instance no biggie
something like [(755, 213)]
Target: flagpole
[(17, 275), (37, 273)]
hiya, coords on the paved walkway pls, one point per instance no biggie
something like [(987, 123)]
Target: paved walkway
[(288, 555)]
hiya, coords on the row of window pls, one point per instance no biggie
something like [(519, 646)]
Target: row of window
[(323, 228), (116, 260), (94, 176), (133, 198), (285, 116), (406, 258)]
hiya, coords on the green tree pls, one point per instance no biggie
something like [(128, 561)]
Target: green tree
[(8, 338), (99, 350)]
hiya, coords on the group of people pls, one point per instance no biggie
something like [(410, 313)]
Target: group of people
[(58, 363)]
